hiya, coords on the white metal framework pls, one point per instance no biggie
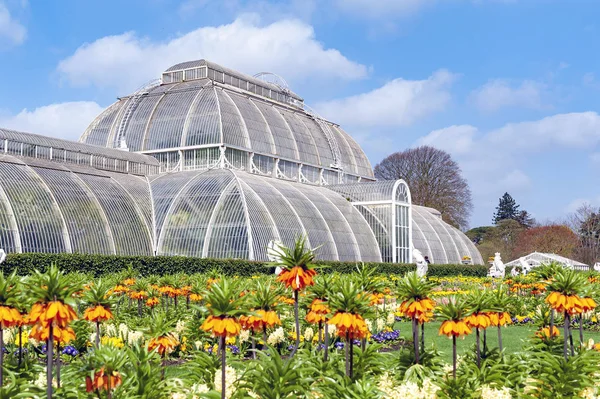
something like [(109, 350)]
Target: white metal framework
[(536, 259), (210, 162)]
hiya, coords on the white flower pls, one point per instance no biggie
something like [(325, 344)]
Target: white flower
[(230, 380), (369, 325), (8, 336), (110, 330), (391, 319), (200, 388), (331, 330), (135, 337), (308, 334), (198, 345), (244, 336), (380, 324), (276, 337), (488, 392), (180, 327), (123, 330)]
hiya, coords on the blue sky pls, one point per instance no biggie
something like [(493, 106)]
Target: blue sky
[(509, 87)]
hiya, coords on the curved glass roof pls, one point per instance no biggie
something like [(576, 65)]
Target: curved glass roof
[(204, 112), (45, 207), (440, 241), (225, 213)]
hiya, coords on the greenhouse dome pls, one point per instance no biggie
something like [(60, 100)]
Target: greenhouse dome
[(210, 162)]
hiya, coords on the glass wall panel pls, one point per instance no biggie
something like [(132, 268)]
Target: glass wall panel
[(261, 138), (129, 229), (304, 140), (138, 122), (234, 131), (100, 132), (39, 223), (228, 235), (187, 222), (8, 232), (285, 143), (263, 228), (166, 127), (88, 230), (203, 125)]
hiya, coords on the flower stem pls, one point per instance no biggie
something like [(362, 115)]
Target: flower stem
[(58, 364), (347, 350), (500, 338), (415, 329), (1, 356), (49, 360), (454, 356), (581, 330), (20, 346), (326, 351), (223, 366), (566, 340), (297, 324), (477, 340)]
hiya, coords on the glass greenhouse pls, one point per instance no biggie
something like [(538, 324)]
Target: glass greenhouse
[(210, 162)]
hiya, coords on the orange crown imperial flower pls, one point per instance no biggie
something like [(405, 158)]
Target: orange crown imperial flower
[(417, 308), (499, 318), (263, 319), (195, 297), (151, 302), (55, 312), (222, 326), (297, 277), (350, 325), (9, 317), (451, 328), (544, 333), (571, 304), (102, 381), (478, 320), (138, 294), (97, 313), (163, 344), (60, 335), (316, 317)]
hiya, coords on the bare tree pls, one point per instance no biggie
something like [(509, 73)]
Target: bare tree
[(585, 221), (435, 180)]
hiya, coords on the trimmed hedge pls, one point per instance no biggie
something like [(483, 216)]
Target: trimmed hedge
[(163, 265)]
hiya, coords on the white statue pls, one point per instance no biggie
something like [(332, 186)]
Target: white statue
[(2, 255), (525, 267), (498, 270), (274, 249), (514, 272), (597, 266), (421, 262)]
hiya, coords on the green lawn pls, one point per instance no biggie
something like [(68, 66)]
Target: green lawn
[(513, 337)]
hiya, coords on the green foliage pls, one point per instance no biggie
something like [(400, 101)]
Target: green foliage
[(271, 377), (507, 209), (132, 266)]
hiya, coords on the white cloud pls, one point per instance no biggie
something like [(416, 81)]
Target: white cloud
[(287, 47), (457, 139), (11, 30), (501, 159), (500, 93), (397, 103), (63, 120)]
